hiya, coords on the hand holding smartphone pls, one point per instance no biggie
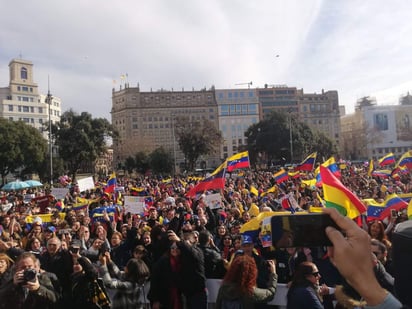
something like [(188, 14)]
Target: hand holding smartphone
[(301, 230)]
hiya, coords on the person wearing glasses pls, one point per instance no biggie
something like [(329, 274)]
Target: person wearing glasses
[(304, 287)]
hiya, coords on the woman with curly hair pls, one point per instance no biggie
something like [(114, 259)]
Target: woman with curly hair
[(239, 285)]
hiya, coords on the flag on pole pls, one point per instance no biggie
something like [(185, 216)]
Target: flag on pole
[(387, 159), (307, 164), (336, 195)]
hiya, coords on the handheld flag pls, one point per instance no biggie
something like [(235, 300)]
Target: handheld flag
[(212, 182), (387, 159), (370, 168), (111, 184), (405, 160), (281, 176), (239, 160), (338, 196), (307, 164)]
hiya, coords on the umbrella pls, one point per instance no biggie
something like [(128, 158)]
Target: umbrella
[(34, 183), (15, 185)]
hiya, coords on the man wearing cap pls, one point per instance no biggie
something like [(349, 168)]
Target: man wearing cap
[(262, 265)]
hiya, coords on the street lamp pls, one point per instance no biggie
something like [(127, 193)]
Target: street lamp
[(290, 137), (49, 101), (174, 143)]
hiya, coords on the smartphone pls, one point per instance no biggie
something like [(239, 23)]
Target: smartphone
[(301, 230), (394, 213)]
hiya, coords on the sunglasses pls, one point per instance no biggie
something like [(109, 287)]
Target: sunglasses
[(316, 274), (173, 247)]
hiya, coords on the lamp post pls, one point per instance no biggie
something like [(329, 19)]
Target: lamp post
[(49, 101), (174, 143), (290, 137)]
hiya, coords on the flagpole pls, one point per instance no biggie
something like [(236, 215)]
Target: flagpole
[(49, 101), (290, 137)]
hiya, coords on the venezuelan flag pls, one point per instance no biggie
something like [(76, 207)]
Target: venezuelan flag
[(281, 176), (370, 168), (407, 197), (239, 160), (254, 191), (393, 201), (336, 195), (382, 173), (307, 164), (270, 190), (212, 182), (331, 164), (409, 211), (374, 209), (111, 184), (98, 213), (252, 227), (387, 159), (405, 160)]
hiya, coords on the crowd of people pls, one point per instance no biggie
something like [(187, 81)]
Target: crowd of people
[(63, 256)]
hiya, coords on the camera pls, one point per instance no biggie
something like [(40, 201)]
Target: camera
[(29, 275), (74, 249), (104, 248)]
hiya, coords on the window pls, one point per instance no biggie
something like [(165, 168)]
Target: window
[(11, 118), (31, 109), (23, 73), (25, 109), (26, 120), (18, 88), (224, 110), (40, 110), (41, 120), (25, 88), (10, 108)]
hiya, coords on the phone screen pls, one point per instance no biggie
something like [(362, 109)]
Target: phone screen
[(303, 230)]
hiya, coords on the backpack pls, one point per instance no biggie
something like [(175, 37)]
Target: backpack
[(99, 295)]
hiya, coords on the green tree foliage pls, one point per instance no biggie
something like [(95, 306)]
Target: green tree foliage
[(271, 137), (80, 138), (22, 148), (161, 162), (197, 138), (141, 162)]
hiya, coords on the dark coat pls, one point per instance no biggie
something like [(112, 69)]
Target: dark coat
[(303, 297), (14, 296)]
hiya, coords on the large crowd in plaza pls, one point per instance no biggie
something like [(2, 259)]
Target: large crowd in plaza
[(87, 251)]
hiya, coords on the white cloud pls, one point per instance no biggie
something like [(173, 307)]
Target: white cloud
[(356, 48)]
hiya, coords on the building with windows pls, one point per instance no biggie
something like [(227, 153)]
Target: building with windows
[(319, 111), (21, 100), (373, 131), (146, 121), (238, 110)]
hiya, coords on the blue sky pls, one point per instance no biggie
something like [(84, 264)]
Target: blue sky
[(359, 48)]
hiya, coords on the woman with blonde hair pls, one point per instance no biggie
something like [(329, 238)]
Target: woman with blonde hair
[(239, 285), (5, 268)]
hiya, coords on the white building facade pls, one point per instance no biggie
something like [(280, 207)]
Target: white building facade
[(21, 100)]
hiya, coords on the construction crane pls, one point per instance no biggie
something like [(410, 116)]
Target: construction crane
[(248, 84)]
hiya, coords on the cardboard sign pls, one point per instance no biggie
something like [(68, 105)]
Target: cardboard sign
[(85, 184), (213, 200), (59, 193), (134, 204)]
